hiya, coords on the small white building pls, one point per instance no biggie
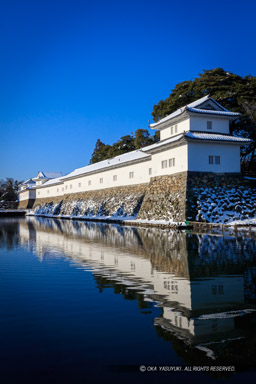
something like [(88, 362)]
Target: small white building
[(193, 138), (27, 189)]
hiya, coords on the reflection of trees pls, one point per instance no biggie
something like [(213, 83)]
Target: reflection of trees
[(9, 233)]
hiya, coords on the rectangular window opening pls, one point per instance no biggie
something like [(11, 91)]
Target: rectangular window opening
[(217, 160), (164, 164), (209, 124)]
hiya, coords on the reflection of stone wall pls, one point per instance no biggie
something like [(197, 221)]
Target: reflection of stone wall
[(166, 249), (169, 251)]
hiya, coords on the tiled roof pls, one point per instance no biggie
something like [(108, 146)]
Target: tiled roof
[(217, 137), (29, 181), (192, 107), (213, 112), (125, 158), (50, 182), (52, 175)]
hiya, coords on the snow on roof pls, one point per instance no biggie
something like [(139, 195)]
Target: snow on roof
[(50, 182), (125, 158), (192, 108), (213, 112), (161, 143), (121, 159), (52, 175), (217, 137), (47, 175), (29, 181), (199, 101)]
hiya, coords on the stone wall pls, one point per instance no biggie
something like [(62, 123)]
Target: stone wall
[(8, 204), (165, 198), (220, 198), (192, 196), (26, 204), (111, 202)]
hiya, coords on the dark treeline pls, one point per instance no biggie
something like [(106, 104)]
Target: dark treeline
[(125, 144), (9, 189)]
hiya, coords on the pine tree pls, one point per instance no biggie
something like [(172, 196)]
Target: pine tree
[(100, 152), (9, 189)]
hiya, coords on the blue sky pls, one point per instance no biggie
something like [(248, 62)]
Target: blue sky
[(75, 71)]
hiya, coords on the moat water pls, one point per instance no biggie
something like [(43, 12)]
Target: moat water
[(83, 302)]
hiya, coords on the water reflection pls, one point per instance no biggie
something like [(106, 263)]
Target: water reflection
[(204, 284)]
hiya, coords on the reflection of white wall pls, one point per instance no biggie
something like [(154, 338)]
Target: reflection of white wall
[(178, 320), (201, 294), (217, 291), (175, 289), (199, 327)]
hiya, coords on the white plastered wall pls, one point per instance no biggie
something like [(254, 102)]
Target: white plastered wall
[(198, 157), (196, 123), (180, 154), (140, 176), (27, 194), (50, 191), (181, 127), (218, 124), (140, 171)]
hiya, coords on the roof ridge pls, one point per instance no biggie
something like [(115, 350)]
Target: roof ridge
[(194, 105)]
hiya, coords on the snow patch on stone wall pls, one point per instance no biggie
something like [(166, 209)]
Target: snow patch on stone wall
[(223, 204), (111, 203)]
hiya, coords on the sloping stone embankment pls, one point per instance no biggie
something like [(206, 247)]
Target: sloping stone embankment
[(165, 198), (111, 202), (220, 198)]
